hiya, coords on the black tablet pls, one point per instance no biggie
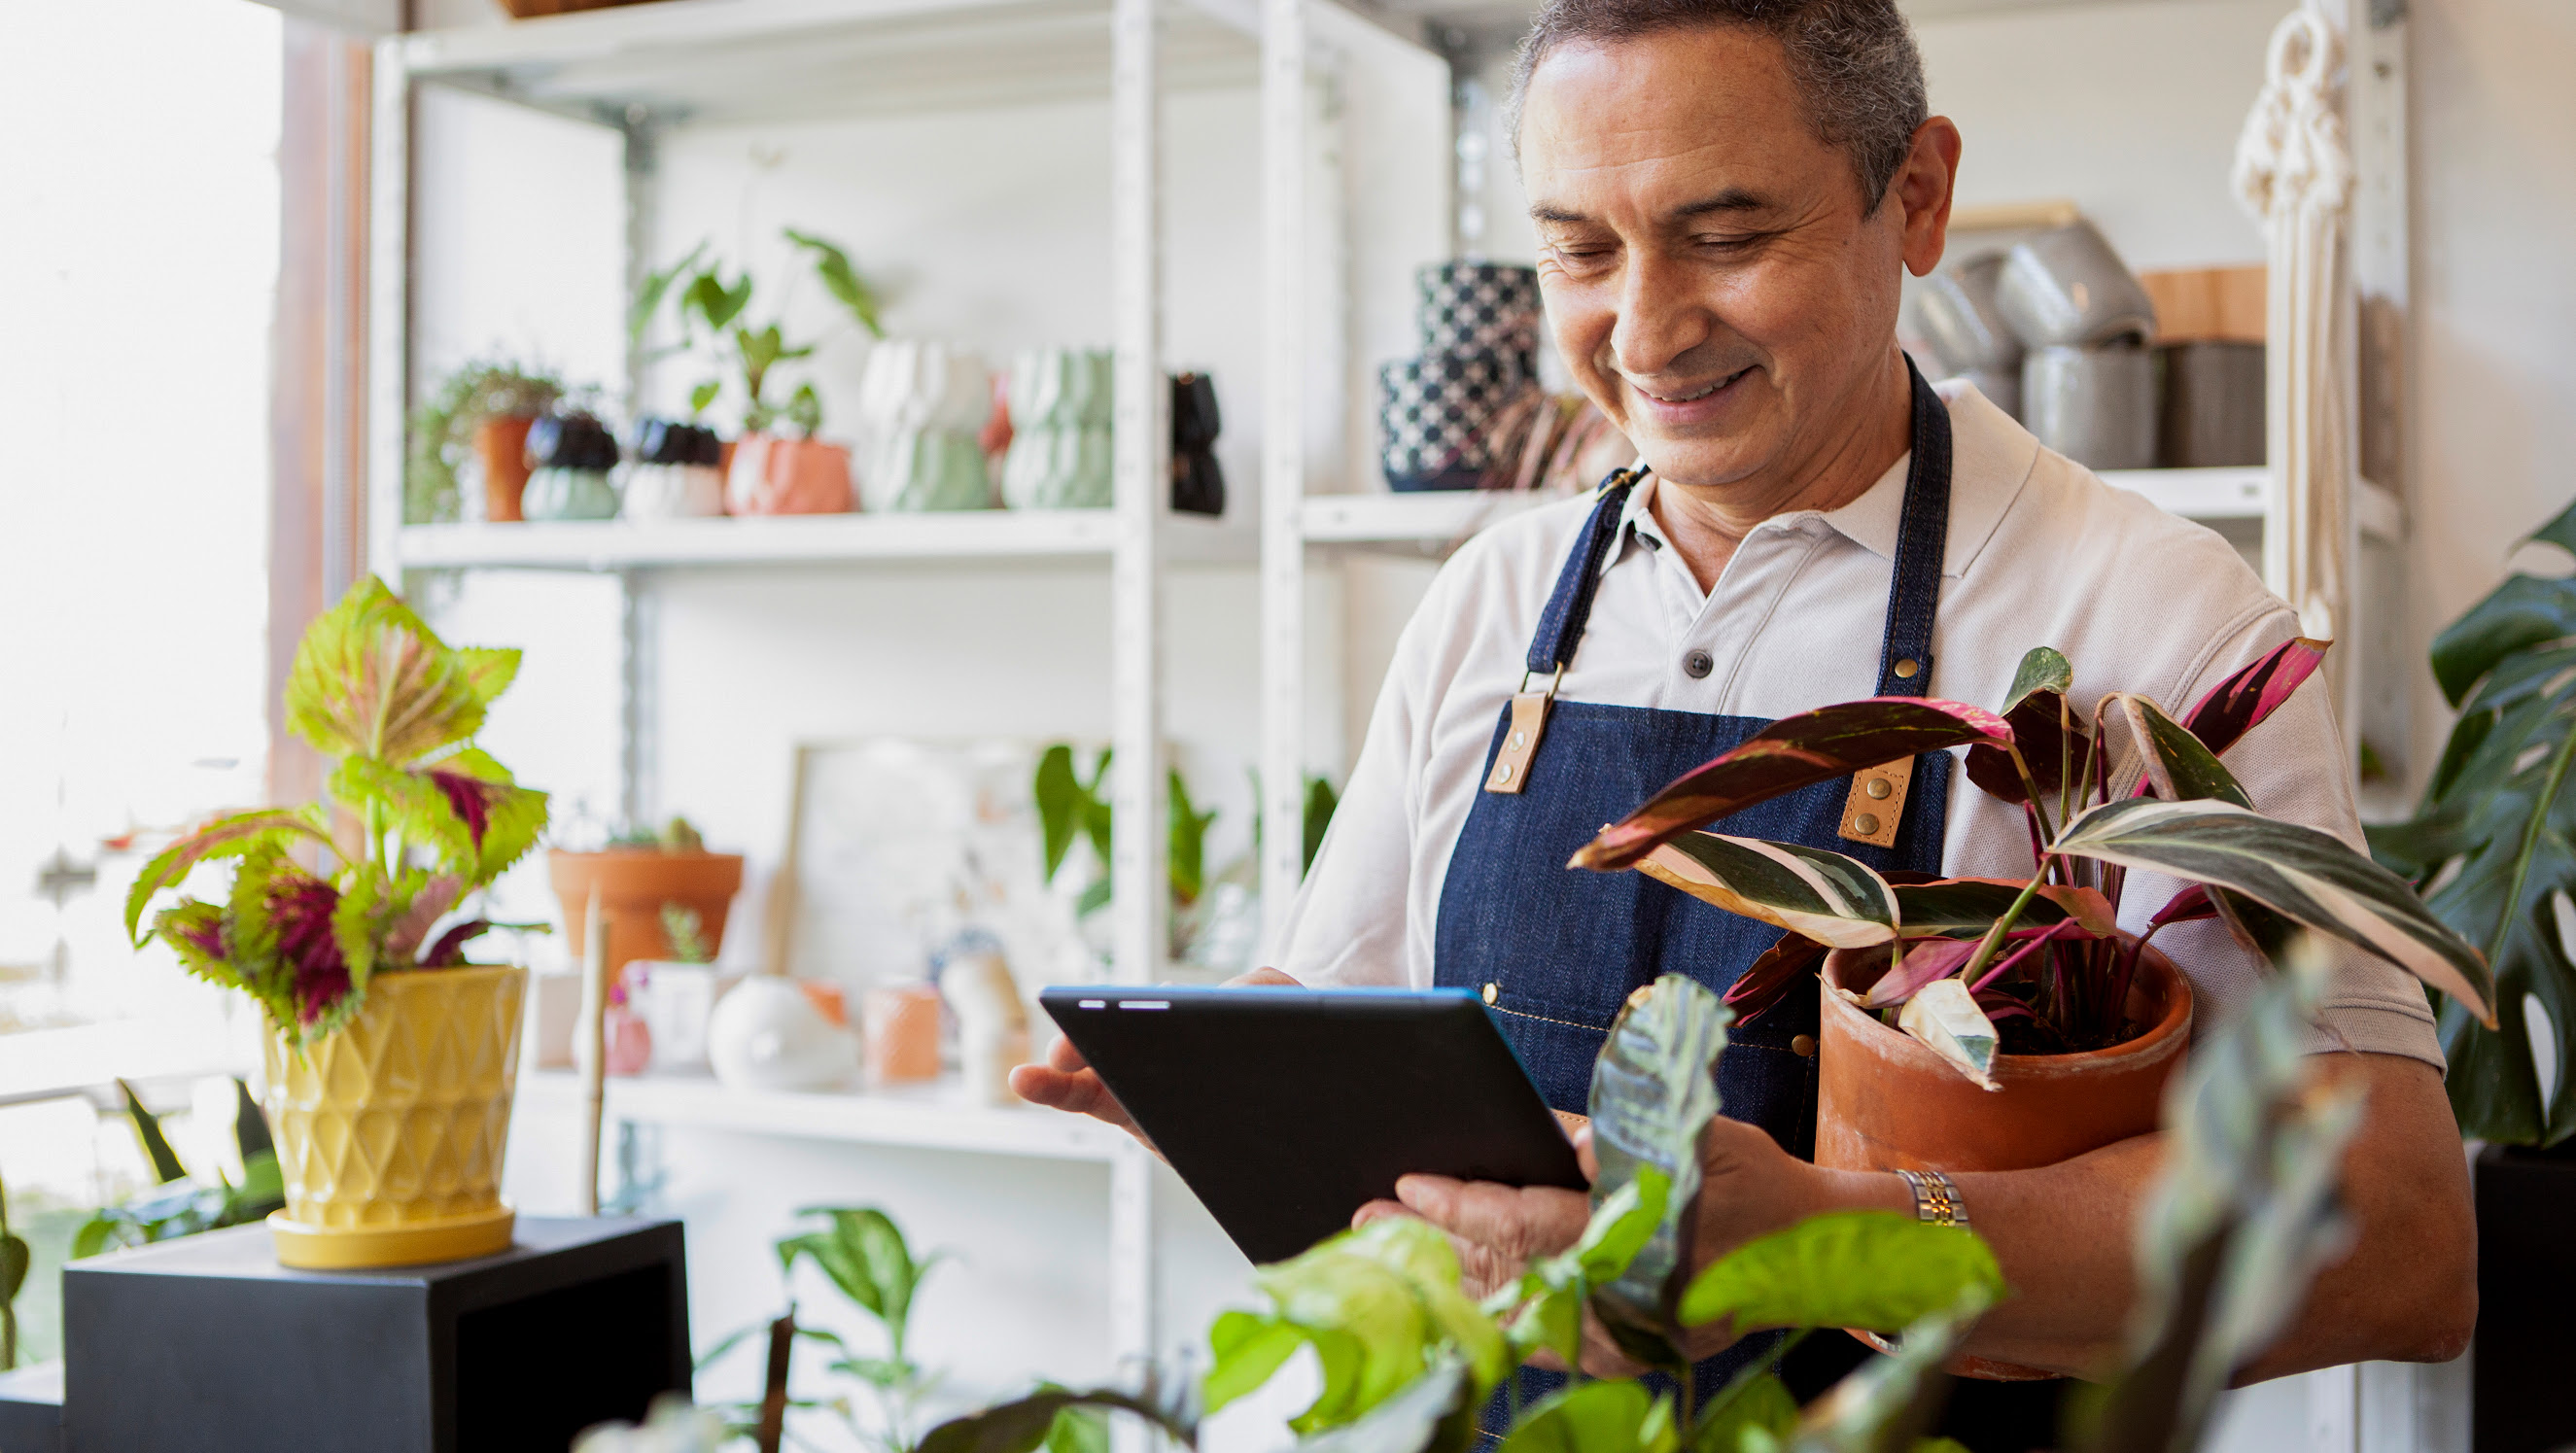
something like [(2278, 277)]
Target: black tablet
[(1285, 1110)]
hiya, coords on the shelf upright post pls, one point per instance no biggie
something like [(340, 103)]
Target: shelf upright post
[(1139, 872), (388, 371), (638, 609), (1283, 464)]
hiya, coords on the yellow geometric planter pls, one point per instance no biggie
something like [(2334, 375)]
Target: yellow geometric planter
[(391, 1132)]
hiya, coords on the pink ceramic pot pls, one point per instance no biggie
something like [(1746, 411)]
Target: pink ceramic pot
[(774, 476)]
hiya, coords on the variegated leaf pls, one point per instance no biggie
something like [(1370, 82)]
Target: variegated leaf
[(2175, 762), (233, 837), (1654, 1089), (1791, 753), (1833, 899), (371, 680), (1945, 1017), (2238, 704), (2295, 871), (1966, 907)]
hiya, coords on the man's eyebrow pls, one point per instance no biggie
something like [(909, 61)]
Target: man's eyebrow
[(1733, 199)]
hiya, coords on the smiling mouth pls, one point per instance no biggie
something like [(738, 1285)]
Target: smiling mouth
[(1693, 396)]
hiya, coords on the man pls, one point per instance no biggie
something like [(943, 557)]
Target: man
[(1725, 193)]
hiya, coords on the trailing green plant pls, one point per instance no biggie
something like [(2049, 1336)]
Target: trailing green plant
[(862, 1253), (320, 901), (711, 313), (1977, 966), (184, 1205), (678, 835), (2493, 846), (442, 428)]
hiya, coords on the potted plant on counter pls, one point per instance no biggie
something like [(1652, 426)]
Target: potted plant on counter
[(2493, 846), (1978, 1024), (486, 407), (341, 923), (641, 877)]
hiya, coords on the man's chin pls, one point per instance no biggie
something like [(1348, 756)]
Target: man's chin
[(1701, 463)]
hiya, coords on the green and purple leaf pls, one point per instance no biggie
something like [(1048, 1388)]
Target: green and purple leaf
[(233, 837), (2238, 704), (1967, 907), (1768, 979), (2048, 737), (371, 680), (2297, 872), (1789, 754), (449, 951), (1824, 895)]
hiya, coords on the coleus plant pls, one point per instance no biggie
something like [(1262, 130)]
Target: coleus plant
[(326, 896), (1979, 966)]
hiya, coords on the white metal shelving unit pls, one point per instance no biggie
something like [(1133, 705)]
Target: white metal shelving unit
[(644, 69)]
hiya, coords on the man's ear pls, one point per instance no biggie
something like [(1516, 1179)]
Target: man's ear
[(1923, 188)]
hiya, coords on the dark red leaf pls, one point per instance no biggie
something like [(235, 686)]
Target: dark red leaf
[(2236, 705), (471, 797), (1767, 981), (2044, 748), (2191, 903), (449, 951), (1789, 754), (301, 908)]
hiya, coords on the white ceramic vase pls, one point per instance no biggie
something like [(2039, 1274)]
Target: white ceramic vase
[(766, 1035), (673, 492)]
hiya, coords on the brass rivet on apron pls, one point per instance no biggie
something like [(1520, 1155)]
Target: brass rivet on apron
[(1640, 995), (1907, 667), (1803, 1045), (1502, 771), (1865, 824), (1878, 788), (1519, 737), (1493, 992)]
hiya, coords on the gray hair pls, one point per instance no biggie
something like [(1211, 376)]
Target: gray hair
[(1853, 61)]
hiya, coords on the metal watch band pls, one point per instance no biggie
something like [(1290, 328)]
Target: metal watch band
[(1935, 1199)]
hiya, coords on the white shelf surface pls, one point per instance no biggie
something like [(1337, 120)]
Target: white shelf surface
[(733, 61), (927, 1117), (1437, 519), (960, 535)]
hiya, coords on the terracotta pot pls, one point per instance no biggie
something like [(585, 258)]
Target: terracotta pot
[(1885, 1101), (502, 444), (391, 1132), (633, 884), (530, 9), (773, 476)]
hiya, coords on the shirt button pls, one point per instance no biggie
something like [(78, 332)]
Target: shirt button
[(1698, 664)]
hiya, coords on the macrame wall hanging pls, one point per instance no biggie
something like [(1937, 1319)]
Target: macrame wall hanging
[(2294, 173)]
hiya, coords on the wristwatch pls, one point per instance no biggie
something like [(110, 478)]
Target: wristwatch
[(1936, 1199)]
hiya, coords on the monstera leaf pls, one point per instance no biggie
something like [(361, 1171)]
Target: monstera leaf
[(2298, 872), (2495, 838), (1793, 752), (1654, 1089)]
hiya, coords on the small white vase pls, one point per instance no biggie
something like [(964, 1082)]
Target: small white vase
[(766, 1035), (673, 492)]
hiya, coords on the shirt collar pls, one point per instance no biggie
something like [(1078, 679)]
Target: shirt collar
[(1990, 460)]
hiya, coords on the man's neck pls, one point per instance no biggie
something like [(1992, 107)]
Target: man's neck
[(1706, 523)]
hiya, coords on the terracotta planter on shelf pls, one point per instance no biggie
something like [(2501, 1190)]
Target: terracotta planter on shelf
[(530, 9), (633, 884), (391, 1132), (502, 445), (768, 475), (1885, 1101)]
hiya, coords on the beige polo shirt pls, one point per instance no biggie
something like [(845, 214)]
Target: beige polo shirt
[(2041, 552)]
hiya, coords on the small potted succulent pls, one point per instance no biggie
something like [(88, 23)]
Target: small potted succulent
[(639, 876), (570, 455), (769, 473), (486, 407), (677, 473), (1981, 1024), (343, 922)]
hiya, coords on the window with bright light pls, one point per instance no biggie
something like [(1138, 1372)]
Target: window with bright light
[(138, 163)]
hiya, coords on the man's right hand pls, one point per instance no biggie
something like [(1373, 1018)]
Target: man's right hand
[(1067, 1082)]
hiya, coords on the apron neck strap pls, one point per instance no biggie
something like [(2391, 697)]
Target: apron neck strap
[(1914, 585)]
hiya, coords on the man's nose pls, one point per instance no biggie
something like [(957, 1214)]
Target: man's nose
[(1659, 320)]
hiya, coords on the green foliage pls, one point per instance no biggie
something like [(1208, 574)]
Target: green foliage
[(711, 312), (14, 1261), (1876, 1270), (428, 818), (1654, 1090), (1756, 1402), (2494, 843), (1321, 801), (686, 929), (442, 429), (1596, 1417), (1057, 1419), (1381, 1307), (184, 1206), (862, 1253), (1071, 806)]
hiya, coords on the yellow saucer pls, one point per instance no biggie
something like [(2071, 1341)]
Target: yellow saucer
[(354, 1248)]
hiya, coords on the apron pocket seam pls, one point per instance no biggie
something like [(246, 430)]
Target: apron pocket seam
[(1544, 1019)]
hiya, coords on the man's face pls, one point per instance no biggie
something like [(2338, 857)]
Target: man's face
[(1711, 273)]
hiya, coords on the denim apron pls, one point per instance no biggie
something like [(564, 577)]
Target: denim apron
[(1556, 951)]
